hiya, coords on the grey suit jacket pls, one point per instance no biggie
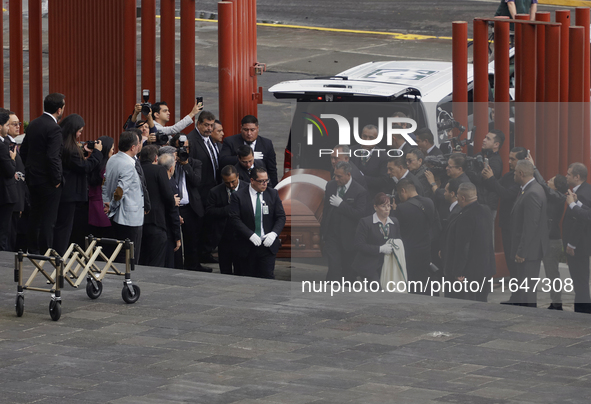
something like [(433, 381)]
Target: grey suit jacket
[(121, 173), (529, 223)]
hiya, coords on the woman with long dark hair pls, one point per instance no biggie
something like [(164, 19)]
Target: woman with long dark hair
[(75, 167), (98, 220)]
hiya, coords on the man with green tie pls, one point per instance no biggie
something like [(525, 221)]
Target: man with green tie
[(344, 205), (257, 214)]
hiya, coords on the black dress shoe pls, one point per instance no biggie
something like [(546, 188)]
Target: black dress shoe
[(209, 259), (204, 269), (555, 306)]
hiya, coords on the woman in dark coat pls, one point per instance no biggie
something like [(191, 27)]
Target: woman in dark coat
[(371, 239), (97, 219), (75, 186)]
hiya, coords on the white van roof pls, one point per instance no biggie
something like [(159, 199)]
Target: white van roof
[(430, 80)]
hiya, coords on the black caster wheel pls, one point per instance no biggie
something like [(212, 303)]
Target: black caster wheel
[(126, 294), (55, 310), (20, 305), (93, 292)]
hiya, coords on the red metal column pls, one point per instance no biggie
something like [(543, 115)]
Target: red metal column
[(540, 93), (551, 104), (35, 60), (480, 57), (149, 46), (563, 17), (187, 57), (128, 28), (502, 82), (576, 94), (582, 20), (15, 19), (519, 46), (253, 48), (226, 65), (167, 56), (243, 73), (527, 117), (460, 71), (238, 93), (2, 64)]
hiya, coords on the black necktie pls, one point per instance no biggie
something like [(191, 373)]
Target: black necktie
[(213, 153)]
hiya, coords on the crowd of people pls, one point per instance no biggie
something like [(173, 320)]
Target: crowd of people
[(177, 197), (443, 208)]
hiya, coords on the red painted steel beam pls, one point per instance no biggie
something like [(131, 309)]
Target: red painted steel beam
[(540, 93), (15, 19), (528, 89), (35, 60), (519, 45), (148, 44), (238, 93), (582, 20), (502, 98), (551, 104), (2, 64), (576, 94), (187, 58), (460, 71), (242, 71), (226, 65), (167, 56), (480, 58), (127, 26), (253, 45), (563, 17)]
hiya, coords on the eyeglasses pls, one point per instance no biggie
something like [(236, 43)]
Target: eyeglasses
[(16, 124), (262, 182)]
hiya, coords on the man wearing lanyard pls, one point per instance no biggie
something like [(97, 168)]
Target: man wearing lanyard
[(257, 214)]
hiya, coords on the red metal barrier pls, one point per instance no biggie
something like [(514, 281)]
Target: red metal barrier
[(527, 117), (540, 91), (148, 44), (582, 20), (460, 71), (480, 57), (15, 17), (187, 58), (2, 64), (35, 60), (551, 115), (563, 17), (225, 63), (502, 97), (167, 56), (576, 94)]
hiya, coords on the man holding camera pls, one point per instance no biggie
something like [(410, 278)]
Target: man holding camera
[(161, 115), (8, 191), (187, 176)]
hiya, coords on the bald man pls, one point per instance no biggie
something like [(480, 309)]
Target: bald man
[(469, 252), (529, 233)]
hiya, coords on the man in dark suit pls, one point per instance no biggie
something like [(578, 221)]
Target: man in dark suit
[(414, 162), (343, 153), (447, 215), (507, 190), (416, 216), (344, 206), (367, 158), (187, 176), (469, 248), (163, 203), (576, 237), (218, 208), (8, 190), (426, 142), (491, 145), (529, 233), (173, 218), (398, 171), (257, 215), (41, 152), (246, 163), (262, 147)]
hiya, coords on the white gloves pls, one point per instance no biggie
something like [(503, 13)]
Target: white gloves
[(335, 200), (256, 240), (269, 239), (258, 155), (387, 249)]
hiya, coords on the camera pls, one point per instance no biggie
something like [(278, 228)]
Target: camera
[(89, 144), (146, 106), (161, 138), (438, 164), (182, 152)]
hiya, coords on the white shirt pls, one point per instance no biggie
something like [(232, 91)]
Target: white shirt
[(523, 187), (430, 148), (401, 178), (452, 206), (376, 219), (53, 117), (347, 185), (253, 199), (252, 145), (176, 128)]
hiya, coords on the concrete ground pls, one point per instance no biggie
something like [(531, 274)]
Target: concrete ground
[(207, 338)]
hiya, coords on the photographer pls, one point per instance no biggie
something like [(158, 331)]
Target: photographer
[(133, 122), (161, 115), (187, 176), (490, 152), (76, 166)]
